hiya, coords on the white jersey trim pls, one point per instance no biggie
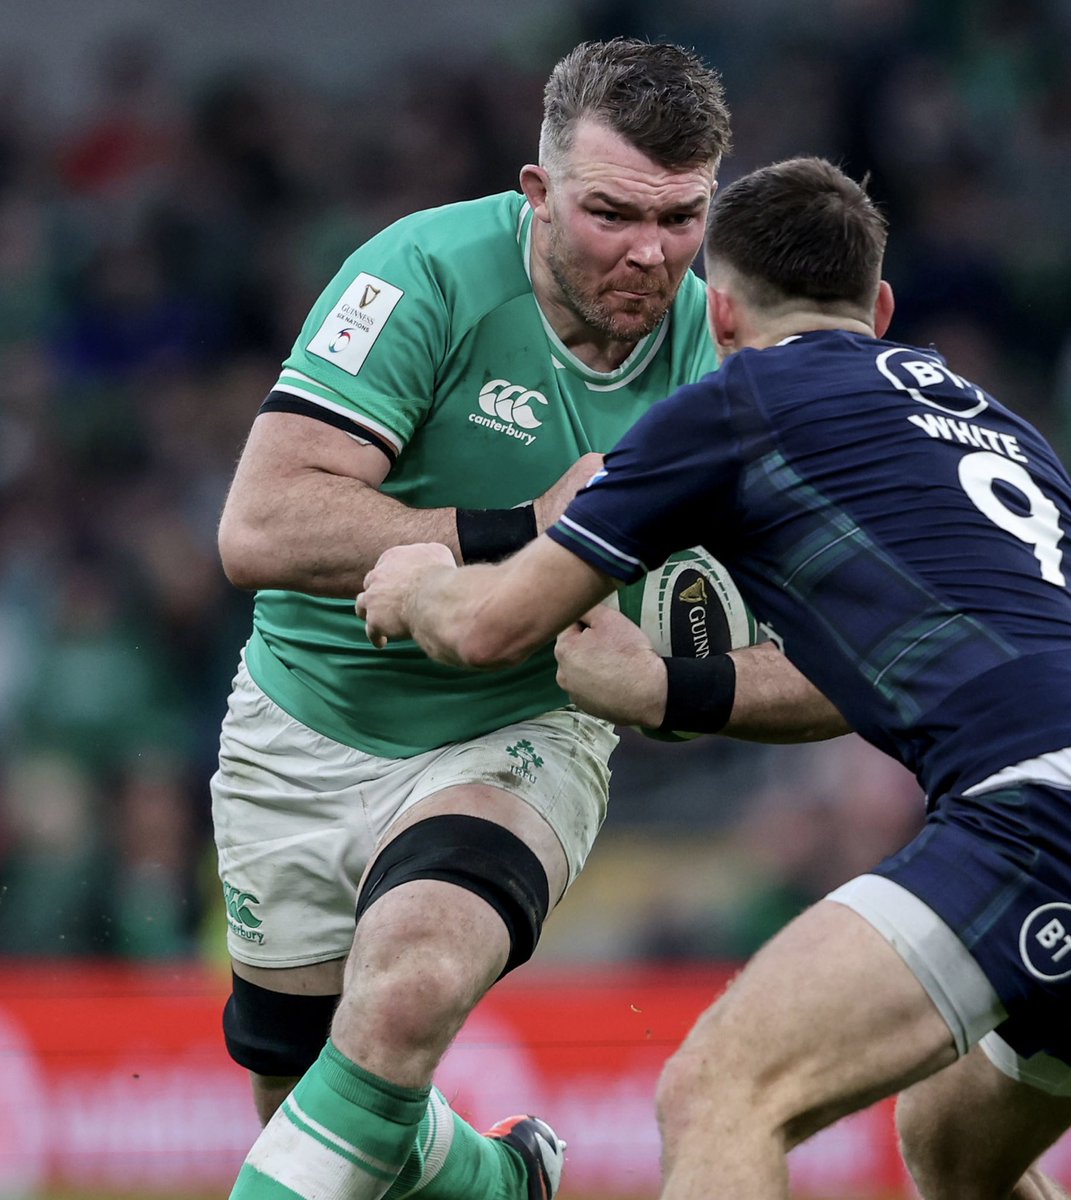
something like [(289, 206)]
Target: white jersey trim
[(650, 349), (291, 383), (598, 541), (1053, 768)]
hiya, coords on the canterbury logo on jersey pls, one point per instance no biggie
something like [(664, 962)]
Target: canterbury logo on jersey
[(507, 408)]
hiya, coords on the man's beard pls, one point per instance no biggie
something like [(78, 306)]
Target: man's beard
[(599, 315)]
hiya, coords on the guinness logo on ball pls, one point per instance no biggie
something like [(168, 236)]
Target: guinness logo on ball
[(697, 629)]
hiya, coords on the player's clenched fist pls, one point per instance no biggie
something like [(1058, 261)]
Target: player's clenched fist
[(610, 669), (382, 604)]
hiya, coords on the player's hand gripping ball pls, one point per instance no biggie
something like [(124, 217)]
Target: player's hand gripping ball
[(688, 608)]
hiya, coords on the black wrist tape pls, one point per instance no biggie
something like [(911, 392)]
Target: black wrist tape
[(490, 534), (699, 693)]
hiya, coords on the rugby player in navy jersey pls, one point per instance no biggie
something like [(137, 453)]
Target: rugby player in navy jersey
[(904, 536)]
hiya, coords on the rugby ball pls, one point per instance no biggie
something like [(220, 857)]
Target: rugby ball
[(688, 608)]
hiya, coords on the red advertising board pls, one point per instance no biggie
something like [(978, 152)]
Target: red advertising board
[(115, 1081)]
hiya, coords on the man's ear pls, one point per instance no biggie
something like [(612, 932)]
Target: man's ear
[(883, 309), (535, 183), (721, 318)]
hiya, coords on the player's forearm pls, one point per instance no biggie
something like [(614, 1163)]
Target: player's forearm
[(775, 702), (483, 616), (321, 533), (464, 618)]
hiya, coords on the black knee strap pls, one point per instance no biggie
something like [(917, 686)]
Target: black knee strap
[(474, 854), (273, 1033)]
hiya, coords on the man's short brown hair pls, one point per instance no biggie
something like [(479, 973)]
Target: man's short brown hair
[(799, 229), (661, 98)]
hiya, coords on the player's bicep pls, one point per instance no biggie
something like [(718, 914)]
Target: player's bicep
[(282, 445), (289, 470)]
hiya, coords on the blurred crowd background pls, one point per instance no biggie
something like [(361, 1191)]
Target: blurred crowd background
[(169, 211)]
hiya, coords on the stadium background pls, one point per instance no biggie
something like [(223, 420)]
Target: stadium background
[(177, 180)]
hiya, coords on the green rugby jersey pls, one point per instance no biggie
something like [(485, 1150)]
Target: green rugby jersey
[(430, 344)]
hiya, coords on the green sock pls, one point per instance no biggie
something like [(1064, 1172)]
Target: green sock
[(342, 1134), (451, 1161)]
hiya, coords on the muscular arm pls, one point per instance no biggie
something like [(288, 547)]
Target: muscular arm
[(305, 512), (608, 667), (478, 616), (494, 616)]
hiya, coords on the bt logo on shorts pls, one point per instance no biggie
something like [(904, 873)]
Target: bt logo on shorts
[(1045, 942), (508, 409)]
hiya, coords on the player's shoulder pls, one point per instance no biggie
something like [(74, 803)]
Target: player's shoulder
[(471, 219), (823, 359), (455, 234), (464, 252)]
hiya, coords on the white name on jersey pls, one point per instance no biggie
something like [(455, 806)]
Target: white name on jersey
[(951, 429)]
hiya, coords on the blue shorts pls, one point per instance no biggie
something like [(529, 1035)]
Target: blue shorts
[(994, 863)]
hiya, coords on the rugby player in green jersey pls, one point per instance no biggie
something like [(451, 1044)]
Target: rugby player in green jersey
[(462, 362)]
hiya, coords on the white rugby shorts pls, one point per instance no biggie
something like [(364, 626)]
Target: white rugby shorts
[(298, 816)]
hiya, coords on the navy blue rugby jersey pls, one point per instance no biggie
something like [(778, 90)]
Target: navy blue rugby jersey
[(901, 533)]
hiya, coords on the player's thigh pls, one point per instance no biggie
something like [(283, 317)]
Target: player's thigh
[(973, 1123), (503, 809), (485, 845), (298, 817), (825, 1019), (545, 780)]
